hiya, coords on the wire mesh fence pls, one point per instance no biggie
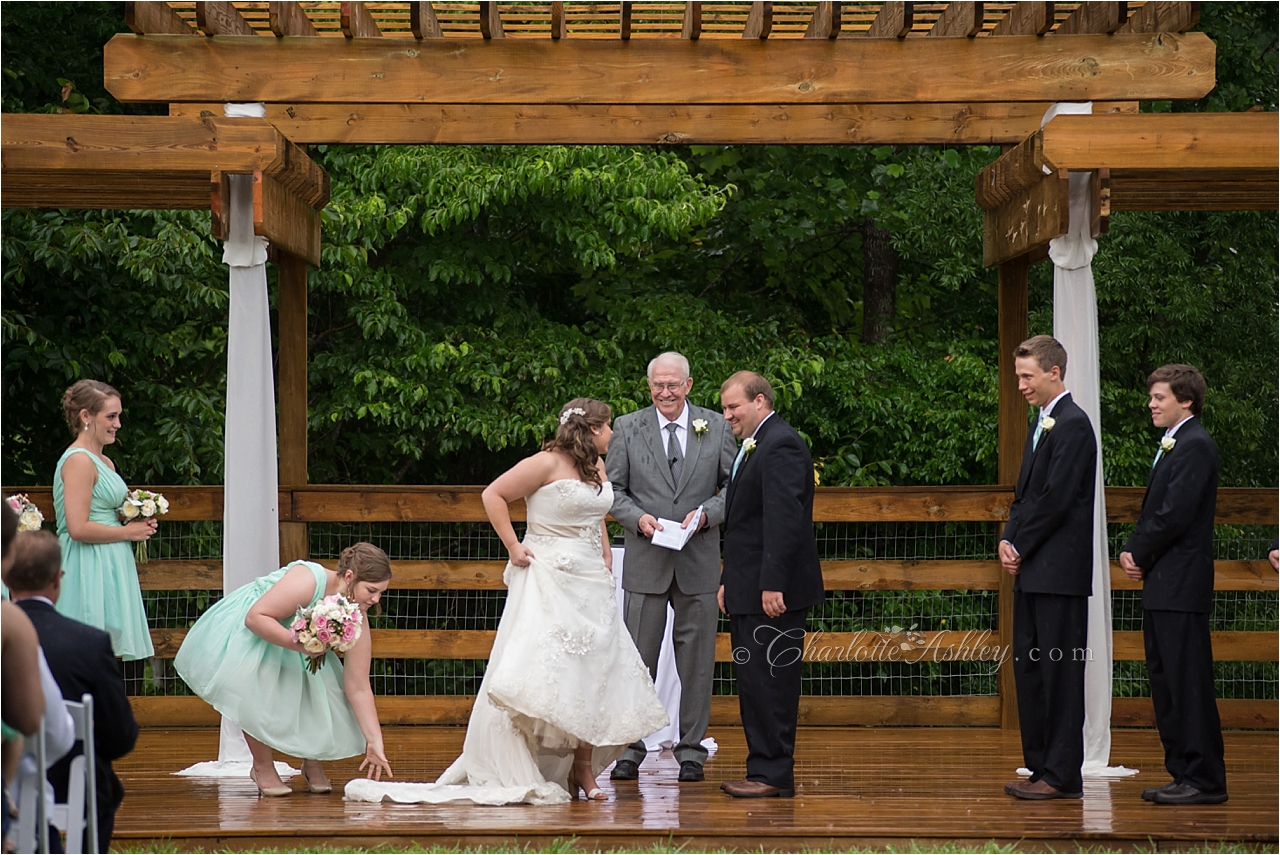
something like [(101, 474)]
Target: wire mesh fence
[(843, 611)]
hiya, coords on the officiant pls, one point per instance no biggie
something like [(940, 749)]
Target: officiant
[(667, 462)]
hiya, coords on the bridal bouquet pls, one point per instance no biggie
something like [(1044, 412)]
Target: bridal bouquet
[(145, 504), (29, 516), (334, 624)]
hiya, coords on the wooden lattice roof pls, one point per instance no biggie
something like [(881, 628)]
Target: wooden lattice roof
[(660, 20)]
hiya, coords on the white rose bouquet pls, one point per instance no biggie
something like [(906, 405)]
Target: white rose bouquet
[(144, 504), (29, 516), (334, 623)]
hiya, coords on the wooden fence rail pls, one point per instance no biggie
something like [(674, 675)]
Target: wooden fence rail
[(461, 504)]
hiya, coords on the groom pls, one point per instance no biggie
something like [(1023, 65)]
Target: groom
[(667, 461), (771, 577)]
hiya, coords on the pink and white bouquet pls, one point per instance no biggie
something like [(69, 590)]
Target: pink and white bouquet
[(334, 623), (144, 504), (29, 516)]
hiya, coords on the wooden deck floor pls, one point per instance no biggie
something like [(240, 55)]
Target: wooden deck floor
[(857, 787)]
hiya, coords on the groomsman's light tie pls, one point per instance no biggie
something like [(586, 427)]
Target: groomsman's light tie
[(675, 456), (1035, 438), (1159, 454), (737, 461)]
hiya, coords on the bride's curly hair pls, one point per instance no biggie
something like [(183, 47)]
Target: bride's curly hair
[(574, 436)]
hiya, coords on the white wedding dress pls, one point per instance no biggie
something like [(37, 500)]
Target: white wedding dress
[(563, 670)]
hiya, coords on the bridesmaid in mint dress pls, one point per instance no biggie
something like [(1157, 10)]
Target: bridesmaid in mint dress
[(100, 585), (240, 657)]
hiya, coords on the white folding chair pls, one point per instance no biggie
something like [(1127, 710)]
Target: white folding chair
[(33, 823), (80, 813)]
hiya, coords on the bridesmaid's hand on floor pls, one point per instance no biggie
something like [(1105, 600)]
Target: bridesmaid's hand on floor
[(375, 759)]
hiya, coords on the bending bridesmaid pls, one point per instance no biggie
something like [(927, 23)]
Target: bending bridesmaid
[(100, 585), (241, 658)]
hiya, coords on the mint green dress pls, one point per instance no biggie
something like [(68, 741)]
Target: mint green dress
[(100, 587), (265, 689)]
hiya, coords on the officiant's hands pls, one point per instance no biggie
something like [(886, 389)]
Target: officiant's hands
[(648, 524), (702, 524)]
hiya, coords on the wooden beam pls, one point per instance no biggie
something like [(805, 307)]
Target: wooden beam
[(650, 124), (424, 24), (490, 21), (825, 23), (1011, 437), (1162, 17), (155, 18), (1093, 18), (1178, 190), (357, 23), (291, 385), (1100, 197), (1027, 221), (759, 21), (691, 27), (559, 26), (1227, 646), (624, 21), (222, 19), (670, 71), (1227, 576), (1025, 19), (1014, 172), (287, 18), (893, 21), (453, 503), (1163, 141), (1233, 712), (285, 219), (958, 21)]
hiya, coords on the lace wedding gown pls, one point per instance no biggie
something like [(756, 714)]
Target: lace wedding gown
[(563, 670)]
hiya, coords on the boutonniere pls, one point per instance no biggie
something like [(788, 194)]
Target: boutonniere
[(1046, 424), (1167, 443), (699, 428), (748, 446)]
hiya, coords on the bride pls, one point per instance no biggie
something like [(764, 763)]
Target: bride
[(565, 691)]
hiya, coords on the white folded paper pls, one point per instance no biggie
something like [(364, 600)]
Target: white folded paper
[(672, 536)]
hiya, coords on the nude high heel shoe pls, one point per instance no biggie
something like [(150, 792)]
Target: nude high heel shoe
[(593, 793), (282, 790), (319, 789)]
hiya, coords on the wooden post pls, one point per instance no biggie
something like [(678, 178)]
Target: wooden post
[(1012, 435), (291, 383)]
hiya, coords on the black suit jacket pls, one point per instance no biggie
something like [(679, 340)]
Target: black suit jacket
[(82, 660), (1173, 541), (768, 530), (1051, 519)]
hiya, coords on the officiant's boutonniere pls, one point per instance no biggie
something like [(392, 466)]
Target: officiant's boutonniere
[(699, 428), (748, 446), (1167, 443), (1046, 424)]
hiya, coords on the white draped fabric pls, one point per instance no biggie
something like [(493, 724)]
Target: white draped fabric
[(250, 519), (1075, 325)]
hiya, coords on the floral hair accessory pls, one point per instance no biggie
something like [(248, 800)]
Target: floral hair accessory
[(569, 413)]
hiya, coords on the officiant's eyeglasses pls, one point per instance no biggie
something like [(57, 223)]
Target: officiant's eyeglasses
[(669, 387)]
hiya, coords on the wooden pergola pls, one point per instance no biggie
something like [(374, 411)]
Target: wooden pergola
[(834, 73)]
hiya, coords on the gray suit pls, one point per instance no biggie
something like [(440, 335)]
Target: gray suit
[(653, 576)]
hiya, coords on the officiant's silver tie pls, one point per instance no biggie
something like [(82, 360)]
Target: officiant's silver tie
[(675, 456)]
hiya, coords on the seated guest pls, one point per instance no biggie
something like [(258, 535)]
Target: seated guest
[(82, 662), (21, 698)]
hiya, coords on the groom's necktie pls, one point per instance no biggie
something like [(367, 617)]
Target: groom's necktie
[(675, 456), (1035, 439)]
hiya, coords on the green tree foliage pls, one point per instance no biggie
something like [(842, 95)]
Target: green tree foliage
[(467, 292)]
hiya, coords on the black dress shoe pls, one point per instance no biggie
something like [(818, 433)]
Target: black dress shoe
[(1151, 791), (690, 772), (1185, 794), (625, 770)]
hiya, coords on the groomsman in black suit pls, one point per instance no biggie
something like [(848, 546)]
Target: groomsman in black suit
[(1048, 547), (1171, 553), (82, 661), (770, 579)]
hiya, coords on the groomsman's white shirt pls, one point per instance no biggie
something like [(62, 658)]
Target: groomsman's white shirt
[(1047, 409), (682, 429), (1171, 431)]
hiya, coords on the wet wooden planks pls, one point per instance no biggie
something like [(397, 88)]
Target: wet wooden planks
[(858, 786)]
